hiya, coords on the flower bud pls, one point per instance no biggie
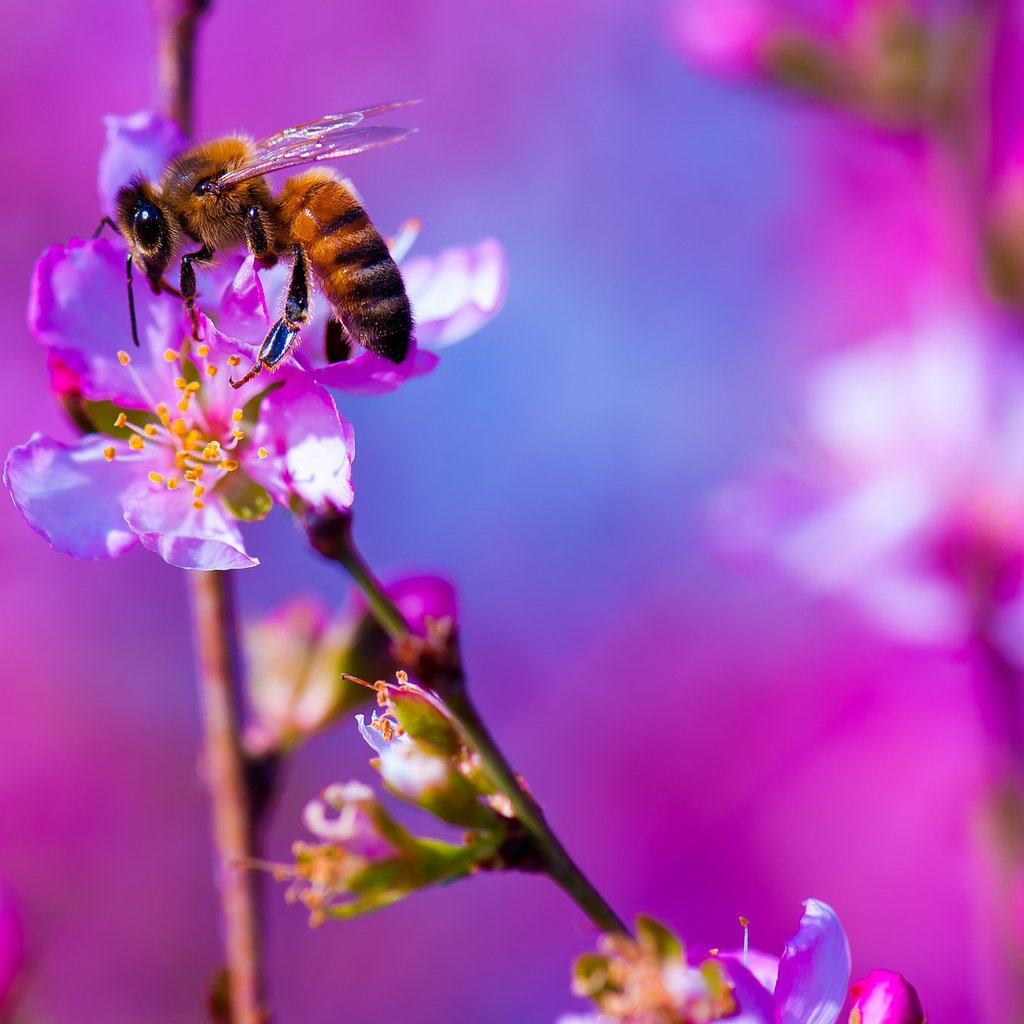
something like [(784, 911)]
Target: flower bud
[(885, 997)]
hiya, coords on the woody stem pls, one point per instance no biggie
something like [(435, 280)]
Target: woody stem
[(331, 536), (215, 626), (232, 796)]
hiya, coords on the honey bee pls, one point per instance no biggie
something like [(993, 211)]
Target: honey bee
[(215, 195)]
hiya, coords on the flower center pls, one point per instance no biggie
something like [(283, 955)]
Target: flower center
[(192, 440)]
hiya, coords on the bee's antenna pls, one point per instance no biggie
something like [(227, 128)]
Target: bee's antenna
[(131, 301)]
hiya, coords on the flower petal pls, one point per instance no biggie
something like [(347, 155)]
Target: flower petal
[(78, 308), (71, 495), (755, 1002), (310, 446), (454, 293), (181, 535), (140, 143), (885, 997), (814, 970), (367, 373)]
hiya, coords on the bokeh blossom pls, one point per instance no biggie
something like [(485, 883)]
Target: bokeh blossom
[(364, 859), (875, 57), (298, 652), (903, 489), (654, 979)]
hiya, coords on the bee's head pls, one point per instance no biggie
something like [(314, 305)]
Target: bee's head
[(149, 228)]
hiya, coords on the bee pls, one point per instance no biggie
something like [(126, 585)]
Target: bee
[(215, 195)]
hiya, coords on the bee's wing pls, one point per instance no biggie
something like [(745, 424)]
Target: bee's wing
[(327, 138)]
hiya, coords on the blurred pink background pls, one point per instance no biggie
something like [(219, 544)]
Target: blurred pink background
[(708, 742)]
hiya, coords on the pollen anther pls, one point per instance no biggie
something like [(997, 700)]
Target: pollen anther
[(121, 420), (123, 358), (136, 443), (156, 477), (109, 452)]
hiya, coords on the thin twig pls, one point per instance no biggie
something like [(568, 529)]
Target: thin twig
[(177, 22), (216, 632), (215, 627), (331, 536)]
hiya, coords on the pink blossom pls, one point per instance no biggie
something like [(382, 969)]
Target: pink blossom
[(904, 488), (183, 461), (885, 997), (807, 984)]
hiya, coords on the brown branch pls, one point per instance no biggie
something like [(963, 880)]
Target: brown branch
[(177, 22), (233, 828), (216, 631)]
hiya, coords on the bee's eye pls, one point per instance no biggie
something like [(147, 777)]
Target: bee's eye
[(148, 224)]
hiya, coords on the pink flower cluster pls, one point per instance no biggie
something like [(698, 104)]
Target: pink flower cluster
[(173, 458)]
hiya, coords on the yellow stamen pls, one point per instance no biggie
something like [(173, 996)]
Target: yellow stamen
[(234, 360), (239, 435), (203, 350), (172, 483), (183, 405), (262, 453), (193, 386), (212, 370), (121, 420), (150, 430), (170, 355), (157, 478), (136, 443), (236, 415), (180, 382), (109, 453), (180, 427), (198, 505), (123, 358), (198, 491), (191, 475), (229, 464)]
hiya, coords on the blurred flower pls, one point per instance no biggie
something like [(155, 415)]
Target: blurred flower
[(885, 997), (905, 488), (653, 980), (174, 460), (877, 57), (12, 946), (366, 860), (297, 654)]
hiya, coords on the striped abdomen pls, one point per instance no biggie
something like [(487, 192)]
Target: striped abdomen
[(350, 261)]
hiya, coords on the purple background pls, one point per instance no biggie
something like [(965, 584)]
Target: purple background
[(710, 744)]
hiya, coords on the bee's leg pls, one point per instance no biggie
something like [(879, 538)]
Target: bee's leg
[(282, 337), (105, 222), (188, 283), (131, 300), (256, 233), (337, 342)]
